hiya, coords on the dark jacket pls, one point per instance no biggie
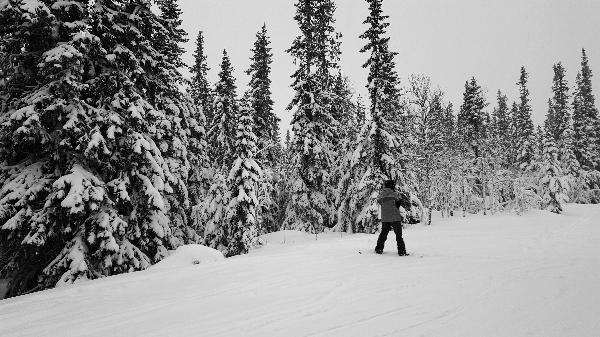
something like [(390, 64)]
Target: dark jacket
[(389, 201)]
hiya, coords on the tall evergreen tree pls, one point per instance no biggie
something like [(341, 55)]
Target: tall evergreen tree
[(559, 115), (384, 93), (312, 122), (202, 96), (472, 117), (223, 125), (585, 118), (199, 85), (266, 122), (85, 186), (473, 128), (523, 125), (501, 131), (375, 151), (244, 177), (181, 114), (211, 216), (168, 41)]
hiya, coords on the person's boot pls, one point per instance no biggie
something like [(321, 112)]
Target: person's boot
[(378, 251), (404, 253)]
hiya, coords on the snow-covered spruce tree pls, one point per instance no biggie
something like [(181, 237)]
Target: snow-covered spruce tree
[(585, 119), (211, 215), (244, 177), (83, 179), (335, 94), (201, 94), (377, 145), (199, 87), (523, 125), (312, 122), (181, 114), (526, 146), (500, 130), (559, 113), (578, 188), (554, 185), (166, 118), (559, 127), (223, 125), (384, 93), (266, 122), (266, 129), (471, 121), (473, 124)]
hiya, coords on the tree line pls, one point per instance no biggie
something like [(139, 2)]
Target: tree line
[(110, 157)]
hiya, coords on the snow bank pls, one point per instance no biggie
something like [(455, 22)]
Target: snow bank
[(189, 255)]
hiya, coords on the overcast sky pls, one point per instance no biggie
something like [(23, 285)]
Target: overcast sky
[(450, 41)]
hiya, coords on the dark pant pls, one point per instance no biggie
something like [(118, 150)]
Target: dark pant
[(385, 229)]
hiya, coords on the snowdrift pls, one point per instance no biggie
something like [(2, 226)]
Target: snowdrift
[(189, 255)]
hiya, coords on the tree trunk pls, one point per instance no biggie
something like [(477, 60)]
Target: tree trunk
[(429, 216)]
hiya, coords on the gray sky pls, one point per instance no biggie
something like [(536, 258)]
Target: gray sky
[(450, 41)]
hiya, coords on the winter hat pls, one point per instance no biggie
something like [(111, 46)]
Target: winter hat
[(389, 184)]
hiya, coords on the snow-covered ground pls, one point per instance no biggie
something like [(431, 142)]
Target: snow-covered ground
[(535, 275)]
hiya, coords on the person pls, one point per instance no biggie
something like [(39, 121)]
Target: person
[(391, 218)]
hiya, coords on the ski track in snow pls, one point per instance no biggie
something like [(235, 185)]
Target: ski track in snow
[(503, 275)]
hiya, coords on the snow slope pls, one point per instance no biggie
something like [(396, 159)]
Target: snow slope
[(535, 275)]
